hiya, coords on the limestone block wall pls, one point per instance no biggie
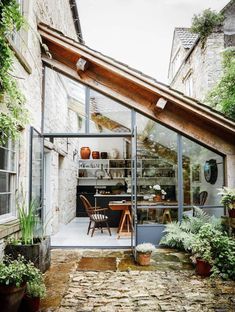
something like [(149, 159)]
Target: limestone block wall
[(205, 66), (28, 67), (178, 49)]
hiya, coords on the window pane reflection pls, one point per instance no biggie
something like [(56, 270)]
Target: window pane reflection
[(203, 174), (64, 104), (156, 172), (108, 116)]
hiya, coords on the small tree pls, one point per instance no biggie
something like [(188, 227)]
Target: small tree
[(204, 23), (222, 96)]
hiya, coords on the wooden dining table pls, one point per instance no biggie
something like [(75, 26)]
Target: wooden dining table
[(125, 226)]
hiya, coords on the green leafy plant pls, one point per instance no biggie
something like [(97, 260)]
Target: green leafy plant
[(36, 288), (14, 115), (216, 248), (228, 197), (222, 96), (180, 235), (28, 221), (17, 272), (204, 23)]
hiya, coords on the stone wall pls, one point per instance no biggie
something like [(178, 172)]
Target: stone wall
[(28, 67), (204, 65)]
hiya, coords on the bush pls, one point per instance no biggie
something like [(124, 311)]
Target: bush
[(203, 24), (222, 96)]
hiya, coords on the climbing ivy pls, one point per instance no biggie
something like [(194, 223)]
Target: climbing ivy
[(222, 96), (13, 114), (204, 23)]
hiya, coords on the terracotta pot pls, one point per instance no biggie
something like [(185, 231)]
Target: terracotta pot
[(157, 198), (29, 304), (95, 155), (10, 297), (85, 152), (104, 155), (203, 268), (143, 258), (231, 213)]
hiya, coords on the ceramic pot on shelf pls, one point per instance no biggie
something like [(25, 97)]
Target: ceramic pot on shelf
[(85, 152), (104, 155), (157, 198), (95, 155)]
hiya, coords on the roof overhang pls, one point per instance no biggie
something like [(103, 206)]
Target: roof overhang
[(138, 91)]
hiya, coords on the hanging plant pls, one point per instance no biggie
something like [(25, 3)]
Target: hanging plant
[(204, 24), (13, 114)]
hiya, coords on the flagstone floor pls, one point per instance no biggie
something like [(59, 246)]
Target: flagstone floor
[(109, 280)]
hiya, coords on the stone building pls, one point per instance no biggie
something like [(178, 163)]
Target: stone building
[(75, 94), (27, 46), (194, 69)]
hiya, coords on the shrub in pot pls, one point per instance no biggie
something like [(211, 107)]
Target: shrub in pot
[(217, 249), (34, 247), (35, 291), (143, 253), (14, 274), (228, 200)]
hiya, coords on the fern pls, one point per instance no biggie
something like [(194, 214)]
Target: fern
[(182, 235)]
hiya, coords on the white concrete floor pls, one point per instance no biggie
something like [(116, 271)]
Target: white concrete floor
[(74, 234)]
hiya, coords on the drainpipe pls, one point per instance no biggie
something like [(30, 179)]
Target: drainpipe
[(74, 8)]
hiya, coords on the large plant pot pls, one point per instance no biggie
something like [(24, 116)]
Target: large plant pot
[(10, 297), (231, 213), (39, 253), (29, 304), (143, 258), (203, 268)]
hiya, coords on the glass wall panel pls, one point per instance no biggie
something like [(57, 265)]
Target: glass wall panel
[(108, 116), (203, 174), (64, 104), (157, 167), (37, 170)]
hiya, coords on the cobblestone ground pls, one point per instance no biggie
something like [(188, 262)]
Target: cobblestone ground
[(166, 287)]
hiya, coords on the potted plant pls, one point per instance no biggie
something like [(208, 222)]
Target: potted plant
[(202, 257), (34, 247), (157, 191), (35, 291), (14, 274), (143, 253), (204, 250), (228, 200)]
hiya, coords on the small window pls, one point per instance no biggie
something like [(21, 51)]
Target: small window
[(188, 82), (7, 180), (176, 63)]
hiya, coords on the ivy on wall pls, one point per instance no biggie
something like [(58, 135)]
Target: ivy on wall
[(13, 114), (222, 96)]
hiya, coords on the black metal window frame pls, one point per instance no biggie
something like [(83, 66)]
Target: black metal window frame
[(132, 134)]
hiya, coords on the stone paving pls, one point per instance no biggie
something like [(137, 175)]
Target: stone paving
[(169, 284)]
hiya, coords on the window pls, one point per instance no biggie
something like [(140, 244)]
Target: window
[(176, 63), (7, 180), (188, 81)]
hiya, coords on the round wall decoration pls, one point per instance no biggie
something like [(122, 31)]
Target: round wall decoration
[(211, 171)]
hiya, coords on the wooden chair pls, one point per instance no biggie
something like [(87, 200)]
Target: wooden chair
[(96, 215), (202, 198)]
